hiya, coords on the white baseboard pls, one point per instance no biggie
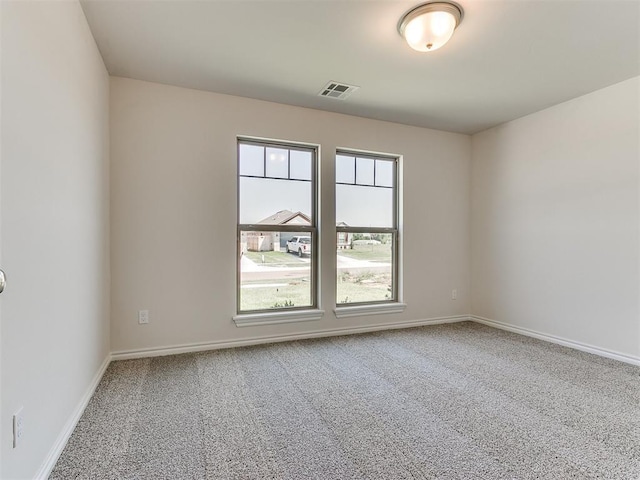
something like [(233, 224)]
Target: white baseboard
[(200, 347), (63, 438), (603, 352)]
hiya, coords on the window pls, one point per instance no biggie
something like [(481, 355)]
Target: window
[(277, 231), (367, 229)]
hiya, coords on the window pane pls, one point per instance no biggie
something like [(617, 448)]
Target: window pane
[(364, 267), (277, 162), (274, 271), (251, 160), (384, 173), (275, 202), (364, 171), (358, 206), (300, 165), (345, 169)]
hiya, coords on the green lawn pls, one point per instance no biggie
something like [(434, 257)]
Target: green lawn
[(277, 259), (272, 292), (372, 253), (363, 287), (297, 292), (357, 286)]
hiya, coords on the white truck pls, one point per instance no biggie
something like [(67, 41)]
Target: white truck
[(299, 245)]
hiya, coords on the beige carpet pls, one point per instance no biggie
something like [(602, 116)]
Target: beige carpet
[(459, 401)]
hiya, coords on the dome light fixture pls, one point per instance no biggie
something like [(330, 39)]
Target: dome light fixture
[(430, 25)]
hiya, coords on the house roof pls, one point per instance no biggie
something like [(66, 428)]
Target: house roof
[(285, 216)]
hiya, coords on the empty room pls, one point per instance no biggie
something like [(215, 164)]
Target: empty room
[(320, 239)]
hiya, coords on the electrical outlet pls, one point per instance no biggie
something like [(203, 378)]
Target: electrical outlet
[(143, 317), (18, 427), (454, 294)]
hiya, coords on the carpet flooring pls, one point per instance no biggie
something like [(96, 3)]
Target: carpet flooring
[(457, 401)]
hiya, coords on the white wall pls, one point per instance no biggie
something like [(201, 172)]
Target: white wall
[(173, 207), (555, 220), (54, 217)]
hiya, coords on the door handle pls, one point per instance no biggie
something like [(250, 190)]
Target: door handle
[(3, 281)]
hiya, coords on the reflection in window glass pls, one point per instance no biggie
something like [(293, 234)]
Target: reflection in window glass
[(365, 171), (300, 165), (277, 163), (251, 160), (345, 169)]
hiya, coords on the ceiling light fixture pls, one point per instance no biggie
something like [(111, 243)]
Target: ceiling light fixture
[(429, 26)]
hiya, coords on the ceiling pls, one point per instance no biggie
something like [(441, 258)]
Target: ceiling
[(508, 58)]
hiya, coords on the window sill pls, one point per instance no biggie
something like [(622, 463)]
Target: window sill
[(377, 309), (274, 318)]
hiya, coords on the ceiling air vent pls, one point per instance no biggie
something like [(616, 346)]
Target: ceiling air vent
[(337, 90)]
